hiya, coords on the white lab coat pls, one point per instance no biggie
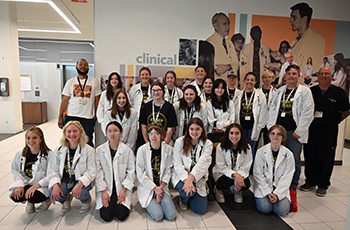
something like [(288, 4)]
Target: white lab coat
[(103, 106), (263, 172), (39, 175), (271, 94), (200, 94), (221, 118), (122, 167), (182, 164), (145, 184), (178, 94), (223, 163), (302, 109), (129, 127), (136, 96), (259, 111), (85, 170), (180, 116)]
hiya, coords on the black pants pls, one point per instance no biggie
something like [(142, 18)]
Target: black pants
[(38, 197), (118, 211), (225, 182), (88, 126), (319, 155)]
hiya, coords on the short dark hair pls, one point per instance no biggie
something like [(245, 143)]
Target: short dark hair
[(251, 73), (236, 37), (158, 84), (200, 66), (81, 60), (293, 67), (116, 123), (304, 10)]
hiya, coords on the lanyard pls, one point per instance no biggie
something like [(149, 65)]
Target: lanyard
[(155, 119), (82, 87), (284, 99), (193, 156), (250, 100), (172, 96), (189, 115), (71, 169), (233, 159)]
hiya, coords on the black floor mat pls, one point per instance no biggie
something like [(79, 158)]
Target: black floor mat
[(245, 216)]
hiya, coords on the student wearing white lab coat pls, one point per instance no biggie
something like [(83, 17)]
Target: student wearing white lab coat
[(115, 174), (221, 110), (124, 114), (188, 107), (29, 172), (106, 99), (233, 162), (251, 110), (172, 93), (72, 168), (153, 168), (200, 72), (273, 173), (192, 158)]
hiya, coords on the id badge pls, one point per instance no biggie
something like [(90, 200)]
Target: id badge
[(292, 99), (82, 101), (71, 183), (318, 114), (283, 114), (247, 118)]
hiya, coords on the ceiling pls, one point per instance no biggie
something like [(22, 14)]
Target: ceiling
[(42, 16)]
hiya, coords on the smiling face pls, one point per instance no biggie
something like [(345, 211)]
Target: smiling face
[(219, 91), (267, 80), (82, 67), (276, 136), (157, 92), (121, 100), (154, 136), (33, 141), (189, 96), (113, 133), (200, 73), (292, 77), (170, 80), (235, 136), (250, 81), (222, 25), (208, 85), (325, 76), (73, 134), (195, 131), (114, 81), (145, 76)]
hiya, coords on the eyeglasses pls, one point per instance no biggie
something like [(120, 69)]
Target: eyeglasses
[(326, 74), (157, 90), (276, 134), (154, 133)]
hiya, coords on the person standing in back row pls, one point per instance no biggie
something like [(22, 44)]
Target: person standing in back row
[(81, 96)]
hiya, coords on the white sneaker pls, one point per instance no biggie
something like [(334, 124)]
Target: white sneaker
[(66, 205), (238, 197), (85, 207), (219, 195), (182, 206), (44, 206), (30, 208)]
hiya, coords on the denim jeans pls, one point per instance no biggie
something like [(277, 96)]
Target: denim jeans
[(295, 147), (248, 134), (84, 196), (166, 208), (281, 207), (198, 203)]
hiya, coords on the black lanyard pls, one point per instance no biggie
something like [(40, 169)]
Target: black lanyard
[(82, 87)]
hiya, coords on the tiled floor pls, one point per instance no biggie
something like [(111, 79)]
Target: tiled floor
[(314, 212)]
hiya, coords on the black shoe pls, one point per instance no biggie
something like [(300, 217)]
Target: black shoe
[(306, 187), (321, 192)]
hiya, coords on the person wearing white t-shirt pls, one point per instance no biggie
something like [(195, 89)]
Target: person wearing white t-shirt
[(80, 99)]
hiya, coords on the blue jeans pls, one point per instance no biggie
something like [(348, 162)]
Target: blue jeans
[(84, 196), (248, 134), (281, 207), (295, 147), (198, 203), (166, 208)]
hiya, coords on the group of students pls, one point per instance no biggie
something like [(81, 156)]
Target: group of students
[(173, 141)]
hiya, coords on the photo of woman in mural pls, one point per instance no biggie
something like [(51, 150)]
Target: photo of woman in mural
[(340, 72), (277, 59), (308, 69)]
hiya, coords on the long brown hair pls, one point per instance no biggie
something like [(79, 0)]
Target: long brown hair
[(197, 100), (43, 147), (115, 107), (109, 91), (187, 138), (226, 144)]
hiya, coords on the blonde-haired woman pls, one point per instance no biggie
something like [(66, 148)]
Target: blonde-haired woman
[(153, 168), (29, 172), (72, 168)]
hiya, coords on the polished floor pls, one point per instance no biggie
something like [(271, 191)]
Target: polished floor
[(317, 213)]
